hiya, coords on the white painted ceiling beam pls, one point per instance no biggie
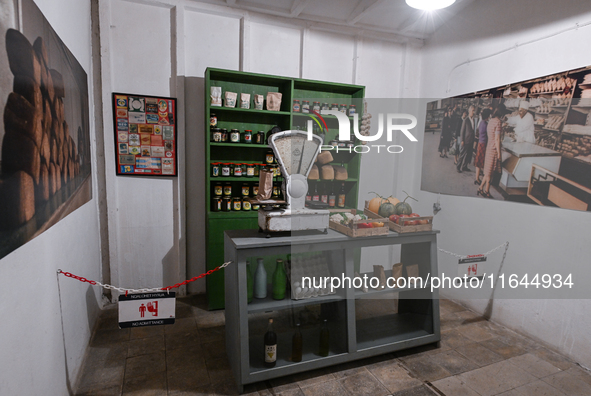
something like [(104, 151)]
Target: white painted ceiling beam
[(362, 9), (297, 7)]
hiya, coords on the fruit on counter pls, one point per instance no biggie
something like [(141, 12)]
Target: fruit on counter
[(377, 224), (365, 225), (387, 209), (374, 203), (394, 218), (403, 207)]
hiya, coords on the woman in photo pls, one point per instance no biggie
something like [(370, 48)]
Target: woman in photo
[(482, 140), (446, 134), (492, 159)]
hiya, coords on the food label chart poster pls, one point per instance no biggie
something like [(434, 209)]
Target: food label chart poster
[(145, 135)]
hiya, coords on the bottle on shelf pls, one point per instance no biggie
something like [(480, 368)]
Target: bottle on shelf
[(324, 194), (279, 281), (249, 284), (324, 339), (260, 280), (341, 198), (315, 195), (297, 345), (270, 346), (332, 198)]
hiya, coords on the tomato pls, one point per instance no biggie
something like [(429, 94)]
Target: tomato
[(377, 224), (402, 219), (425, 221), (394, 218), (412, 222), (414, 215), (364, 225)]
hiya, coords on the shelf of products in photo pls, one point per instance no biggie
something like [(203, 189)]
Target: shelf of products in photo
[(244, 145), (240, 179)]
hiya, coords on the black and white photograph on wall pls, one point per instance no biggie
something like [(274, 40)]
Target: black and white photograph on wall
[(44, 137), (527, 142)]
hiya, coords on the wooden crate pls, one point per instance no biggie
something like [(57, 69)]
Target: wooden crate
[(401, 229), (352, 230)]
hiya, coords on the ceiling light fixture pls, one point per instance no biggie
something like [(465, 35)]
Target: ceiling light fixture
[(429, 5)]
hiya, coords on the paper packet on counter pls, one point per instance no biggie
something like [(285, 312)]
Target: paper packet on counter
[(265, 185)]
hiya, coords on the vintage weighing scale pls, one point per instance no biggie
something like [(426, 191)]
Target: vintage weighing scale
[(295, 155)]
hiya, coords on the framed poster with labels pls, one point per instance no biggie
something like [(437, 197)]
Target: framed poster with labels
[(145, 135)]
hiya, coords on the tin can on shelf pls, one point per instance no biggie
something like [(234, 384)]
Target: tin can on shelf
[(236, 203), (306, 106), (215, 169), (269, 157), (343, 108), (255, 190), (216, 135), (352, 110), (237, 170), (275, 191), (216, 204), (256, 169), (225, 169), (250, 170), (260, 138), (235, 136), (245, 190), (255, 206), (334, 106), (296, 108), (226, 204), (246, 203), (218, 189), (325, 106), (225, 136), (227, 189), (248, 136), (316, 106)]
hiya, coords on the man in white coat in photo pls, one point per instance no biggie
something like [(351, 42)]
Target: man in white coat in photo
[(523, 124)]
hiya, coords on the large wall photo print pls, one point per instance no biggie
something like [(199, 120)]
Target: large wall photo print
[(526, 142), (44, 135)]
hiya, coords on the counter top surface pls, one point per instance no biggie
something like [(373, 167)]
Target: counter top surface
[(249, 239), (525, 149)]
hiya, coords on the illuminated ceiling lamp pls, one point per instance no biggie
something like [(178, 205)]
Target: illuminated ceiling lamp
[(429, 5)]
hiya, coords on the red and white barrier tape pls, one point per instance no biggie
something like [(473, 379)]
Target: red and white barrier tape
[(155, 289)]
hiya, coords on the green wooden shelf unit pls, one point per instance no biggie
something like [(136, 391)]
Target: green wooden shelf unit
[(263, 120)]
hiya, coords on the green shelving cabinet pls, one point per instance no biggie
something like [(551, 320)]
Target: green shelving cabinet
[(263, 120)]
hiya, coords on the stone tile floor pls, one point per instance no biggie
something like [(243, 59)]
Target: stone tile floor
[(476, 357)]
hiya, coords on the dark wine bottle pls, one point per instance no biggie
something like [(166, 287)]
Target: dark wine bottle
[(332, 197), (315, 195), (296, 345), (270, 346), (324, 339), (342, 195)]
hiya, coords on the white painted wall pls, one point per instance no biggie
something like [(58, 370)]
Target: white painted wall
[(548, 41), (35, 359)]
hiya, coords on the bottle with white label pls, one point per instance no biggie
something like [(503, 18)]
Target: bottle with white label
[(270, 346)]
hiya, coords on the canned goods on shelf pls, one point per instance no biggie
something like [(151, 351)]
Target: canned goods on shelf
[(235, 136), (343, 108), (316, 106), (213, 120), (237, 170), (236, 203), (227, 189), (246, 203), (226, 204), (352, 110), (325, 106), (245, 190), (216, 204), (296, 108), (215, 169), (216, 135), (250, 170), (260, 137), (248, 136), (225, 137), (255, 190), (306, 106), (225, 169), (334, 106), (269, 157), (218, 189)]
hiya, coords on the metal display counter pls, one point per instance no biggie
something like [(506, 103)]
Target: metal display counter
[(362, 324), (518, 159)]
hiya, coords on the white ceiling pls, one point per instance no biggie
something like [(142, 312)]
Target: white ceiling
[(393, 17)]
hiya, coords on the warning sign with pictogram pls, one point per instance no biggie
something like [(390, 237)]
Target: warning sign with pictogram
[(146, 309)]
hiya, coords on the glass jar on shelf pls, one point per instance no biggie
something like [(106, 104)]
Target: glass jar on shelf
[(296, 107), (226, 204), (235, 136), (306, 106), (352, 110), (215, 169), (227, 189), (343, 108), (236, 204), (237, 170), (216, 204), (248, 136), (225, 170), (316, 106), (225, 136), (218, 189), (216, 135)]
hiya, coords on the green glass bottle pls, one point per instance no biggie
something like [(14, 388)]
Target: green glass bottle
[(324, 339), (249, 284), (279, 281)]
